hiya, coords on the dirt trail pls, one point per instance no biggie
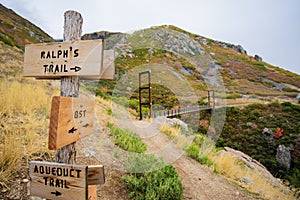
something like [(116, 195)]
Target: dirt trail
[(199, 181)]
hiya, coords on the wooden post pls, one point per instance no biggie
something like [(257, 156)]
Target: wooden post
[(70, 85)]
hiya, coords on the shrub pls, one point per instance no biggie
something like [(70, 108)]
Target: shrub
[(126, 139), (137, 164), (134, 104), (192, 151), (159, 184), (233, 96), (204, 160), (198, 139), (101, 93), (7, 40), (151, 178)]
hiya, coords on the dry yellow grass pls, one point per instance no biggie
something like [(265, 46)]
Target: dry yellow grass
[(234, 169), (171, 132), (22, 97), (181, 140), (24, 122)]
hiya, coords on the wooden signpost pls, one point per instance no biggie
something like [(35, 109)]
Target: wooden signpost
[(63, 181), (71, 117), (58, 181), (54, 60), (70, 120)]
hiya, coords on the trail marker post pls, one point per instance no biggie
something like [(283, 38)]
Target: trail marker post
[(71, 117)]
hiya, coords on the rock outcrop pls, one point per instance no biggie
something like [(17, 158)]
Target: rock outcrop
[(177, 42), (253, 164), (239, 49), (283, 156), (258, 58)]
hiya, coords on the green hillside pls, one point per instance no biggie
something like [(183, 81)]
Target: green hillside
[(17, 31), (207, 64)]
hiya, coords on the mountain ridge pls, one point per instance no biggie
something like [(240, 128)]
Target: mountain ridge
[(242, 74)]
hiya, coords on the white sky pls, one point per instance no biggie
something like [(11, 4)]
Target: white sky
[(269, 28)]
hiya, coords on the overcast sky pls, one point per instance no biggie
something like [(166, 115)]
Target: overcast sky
[(269, 28)]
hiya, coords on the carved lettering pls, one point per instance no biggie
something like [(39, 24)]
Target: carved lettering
[(57, 171), (61, 53), (79, 114)]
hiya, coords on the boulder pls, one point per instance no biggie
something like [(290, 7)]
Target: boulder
[(298, 97), (252, 164), (267, 132), (283, 156), (246, 180), (239, 49), (175, 121), (258, 58)]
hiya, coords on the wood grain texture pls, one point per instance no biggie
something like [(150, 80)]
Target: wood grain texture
[(71, 119), (96, 175), (92, 192), (58, 181), (54, 60), (70, 85)]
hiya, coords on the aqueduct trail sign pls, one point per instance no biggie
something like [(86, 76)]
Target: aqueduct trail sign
[(58, 181)]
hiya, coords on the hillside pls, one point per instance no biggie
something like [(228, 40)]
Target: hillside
[(203, 62), (197, 161), (15, 32), (237, 78)]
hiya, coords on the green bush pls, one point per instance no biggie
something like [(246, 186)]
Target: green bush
[(100, 93), (109, 111), (192, 151), (160, 184), (127, 140), (150, 178), (233, 96), (139, 163), (134, 104), (198, 139), (204, 160), (7, 40)]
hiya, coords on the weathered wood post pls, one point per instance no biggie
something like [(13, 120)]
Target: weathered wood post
[(71, 117), (70, 84)]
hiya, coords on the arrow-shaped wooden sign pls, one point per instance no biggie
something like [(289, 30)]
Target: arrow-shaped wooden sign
[(70, 120), (86, 59)]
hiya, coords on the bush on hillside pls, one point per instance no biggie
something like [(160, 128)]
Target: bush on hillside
[(162, 183)]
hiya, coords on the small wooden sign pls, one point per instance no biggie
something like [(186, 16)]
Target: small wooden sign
[(55, 60), (70, 120), (58, 181), (96, 175)]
